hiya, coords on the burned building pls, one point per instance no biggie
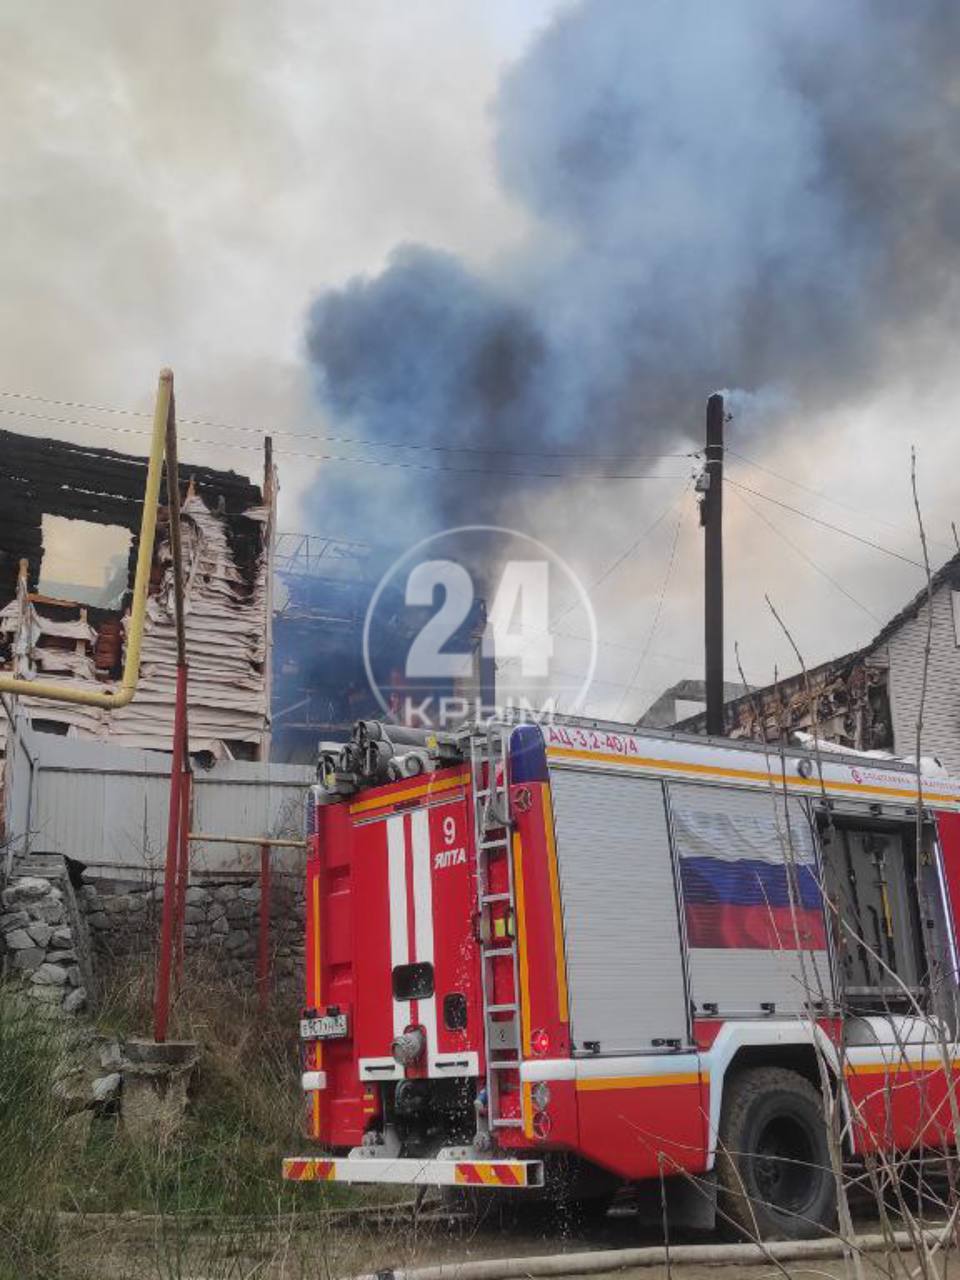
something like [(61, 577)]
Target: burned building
[(321, 683), (685, 698), (870, 699), (59, 498)]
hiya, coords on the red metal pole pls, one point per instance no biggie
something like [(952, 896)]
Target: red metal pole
[(263, 955), (183, 863), (161, 1009)]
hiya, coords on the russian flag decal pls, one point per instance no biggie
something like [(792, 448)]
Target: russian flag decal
[(748, 903), (748, 875)]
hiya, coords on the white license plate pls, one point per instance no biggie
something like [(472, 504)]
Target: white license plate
[(330, 1026)]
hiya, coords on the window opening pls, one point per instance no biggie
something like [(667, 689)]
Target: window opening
[(84, 561)]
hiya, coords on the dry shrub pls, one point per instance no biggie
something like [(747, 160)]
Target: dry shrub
[(246, 1105)]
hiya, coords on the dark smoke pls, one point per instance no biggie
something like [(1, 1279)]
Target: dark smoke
[(760, 194), (427, 351)]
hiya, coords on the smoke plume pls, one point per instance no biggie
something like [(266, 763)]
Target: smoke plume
[(753, 195)]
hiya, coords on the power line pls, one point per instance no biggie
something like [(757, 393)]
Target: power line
[(630, 648), (813, 564), (835, 528), (825, 497), (602, 577), (335, 439), (657, 612), (495, 472), (625, 555), (576, 681)]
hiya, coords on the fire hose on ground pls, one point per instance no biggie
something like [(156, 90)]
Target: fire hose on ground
[(600, 1261)]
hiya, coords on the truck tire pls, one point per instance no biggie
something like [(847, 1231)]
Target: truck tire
[(773, 1160)]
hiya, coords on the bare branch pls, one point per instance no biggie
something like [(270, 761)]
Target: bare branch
[(928, 644), (921, 706), (814, 710)]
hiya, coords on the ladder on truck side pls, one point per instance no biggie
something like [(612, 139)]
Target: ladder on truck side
[(493, 834)]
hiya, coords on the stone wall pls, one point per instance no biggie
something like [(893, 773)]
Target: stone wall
[(222, 919), (60, 940), (45, 944)]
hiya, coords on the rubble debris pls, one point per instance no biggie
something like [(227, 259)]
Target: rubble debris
[(106, 1088), (847, 700), (81, 1083)]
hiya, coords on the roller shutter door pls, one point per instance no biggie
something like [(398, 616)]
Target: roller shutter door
[(621, 926)]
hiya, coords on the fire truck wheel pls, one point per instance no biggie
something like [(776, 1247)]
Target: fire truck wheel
[(773, 1161)]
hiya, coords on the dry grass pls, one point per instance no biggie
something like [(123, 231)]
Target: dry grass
[(245, 1112), (223, 1168), (31, 1141)]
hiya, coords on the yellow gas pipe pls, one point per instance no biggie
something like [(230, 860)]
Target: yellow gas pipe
[(141, 582)]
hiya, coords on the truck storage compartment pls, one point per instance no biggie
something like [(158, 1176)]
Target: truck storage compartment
[(622, 933), (870, 876)]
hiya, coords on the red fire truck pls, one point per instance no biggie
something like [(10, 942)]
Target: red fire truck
[(626, 956)]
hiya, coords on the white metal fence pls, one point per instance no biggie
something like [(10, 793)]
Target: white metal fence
[(106, 806)]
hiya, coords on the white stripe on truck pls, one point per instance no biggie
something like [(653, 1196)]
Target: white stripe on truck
[(399, 933), (423, 921)]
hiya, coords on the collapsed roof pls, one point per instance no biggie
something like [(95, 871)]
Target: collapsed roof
[(227, 527)]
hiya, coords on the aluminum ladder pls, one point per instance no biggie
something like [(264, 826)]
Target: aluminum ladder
[(492, 830)]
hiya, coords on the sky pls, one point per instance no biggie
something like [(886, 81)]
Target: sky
[(180, 193)]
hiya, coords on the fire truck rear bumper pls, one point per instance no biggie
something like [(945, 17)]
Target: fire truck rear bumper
[(518, 1174)]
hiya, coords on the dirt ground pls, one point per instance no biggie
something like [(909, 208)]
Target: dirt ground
[(317, 1250), (122, 1250)]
